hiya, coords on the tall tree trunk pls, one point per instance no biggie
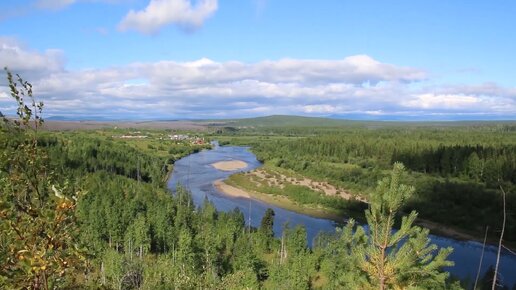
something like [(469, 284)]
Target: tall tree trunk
[(499, 242)]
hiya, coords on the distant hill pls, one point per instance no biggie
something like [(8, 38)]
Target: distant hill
[(302, 121), (78, 118), (288, 121), (83, 122)]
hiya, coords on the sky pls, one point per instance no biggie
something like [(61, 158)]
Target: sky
[(198, 59)]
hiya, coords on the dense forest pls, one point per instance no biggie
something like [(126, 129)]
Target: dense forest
[(82, 210), (457, 171), (126, 233)]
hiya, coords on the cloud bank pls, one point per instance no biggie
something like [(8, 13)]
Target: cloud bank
[(206, 88)]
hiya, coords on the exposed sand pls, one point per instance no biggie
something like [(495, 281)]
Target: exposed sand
[(230, 190), (230, 165), (276, 179), (279, 201)]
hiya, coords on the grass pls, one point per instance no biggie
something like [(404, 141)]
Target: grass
[(300, 199)]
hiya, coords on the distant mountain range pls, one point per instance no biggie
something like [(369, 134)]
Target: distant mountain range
[(422, 117), (67, 123), (78, 118), (299, 121), (105, 119)]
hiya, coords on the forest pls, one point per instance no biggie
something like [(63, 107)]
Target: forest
[(83, 210), (458, 171)]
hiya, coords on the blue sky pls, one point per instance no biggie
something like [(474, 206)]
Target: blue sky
[(159, 59)]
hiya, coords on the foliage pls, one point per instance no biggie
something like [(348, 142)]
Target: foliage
[(37, 227), (266, 228), (403, 258), (456, 167), (378, 257)]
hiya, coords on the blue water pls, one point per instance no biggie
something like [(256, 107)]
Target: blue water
[(195, 173)]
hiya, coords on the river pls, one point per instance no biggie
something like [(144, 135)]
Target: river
[(196, 174)]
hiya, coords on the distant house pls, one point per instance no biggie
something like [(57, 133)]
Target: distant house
[(134, 136), (179, 137)]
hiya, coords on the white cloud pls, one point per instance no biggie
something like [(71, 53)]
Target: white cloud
[(324, 109), (443, 101), (17, 57), (480, 89), (351, 70), (160, 13), (207, 88)]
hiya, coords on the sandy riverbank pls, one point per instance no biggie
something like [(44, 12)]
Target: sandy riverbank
[(284, 202), (230, 190), (276, 179), (229, 165), (279, 201)]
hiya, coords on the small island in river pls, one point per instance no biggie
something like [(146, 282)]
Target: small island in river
[(230, 165)]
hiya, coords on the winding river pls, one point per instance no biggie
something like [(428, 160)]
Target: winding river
[(196, 174)]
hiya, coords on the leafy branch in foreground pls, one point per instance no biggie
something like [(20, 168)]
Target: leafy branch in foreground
[(37, 226)]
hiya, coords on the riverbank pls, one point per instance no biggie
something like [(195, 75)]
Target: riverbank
[(280, 201), (447, 231), (234, 190), (230, 165), (230, 190), (462, 235)]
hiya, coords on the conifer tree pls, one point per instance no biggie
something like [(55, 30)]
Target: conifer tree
[(266, 228), (403, 258), (267, 223)]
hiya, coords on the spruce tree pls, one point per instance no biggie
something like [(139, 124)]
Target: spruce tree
[(266, 228)]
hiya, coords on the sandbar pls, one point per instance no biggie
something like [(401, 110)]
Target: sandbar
[(229, 165)]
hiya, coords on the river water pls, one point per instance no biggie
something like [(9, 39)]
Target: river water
[(195, 173)]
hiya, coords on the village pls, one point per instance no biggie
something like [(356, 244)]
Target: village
[(181, 138)]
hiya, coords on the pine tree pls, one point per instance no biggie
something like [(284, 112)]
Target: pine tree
[(402, 258)]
